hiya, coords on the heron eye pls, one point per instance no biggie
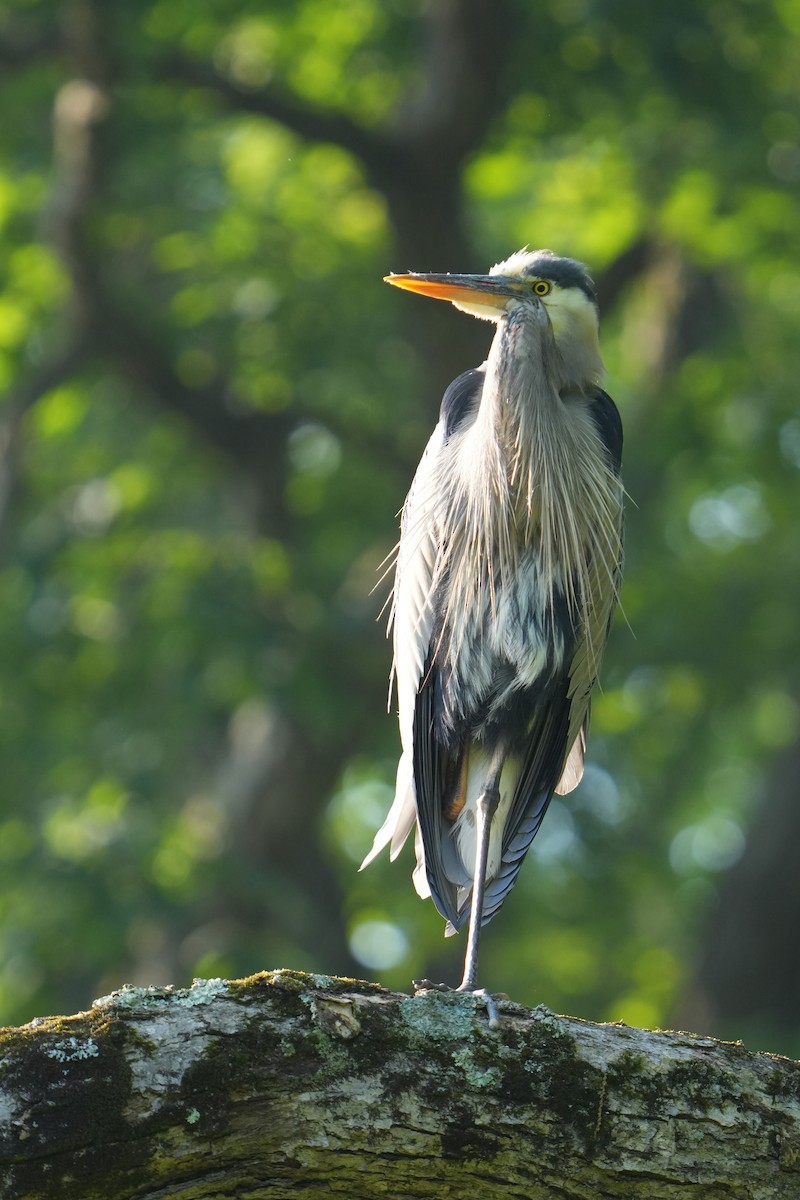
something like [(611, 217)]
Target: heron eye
[(542, 287)]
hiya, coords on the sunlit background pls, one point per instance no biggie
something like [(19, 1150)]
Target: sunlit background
[(213, 409)]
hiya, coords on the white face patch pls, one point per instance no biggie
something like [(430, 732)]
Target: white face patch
[(576, 332), (483, 311), (570, 306)]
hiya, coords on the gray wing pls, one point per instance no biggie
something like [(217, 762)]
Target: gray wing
[(419, 782), (412, 623), (605, 586), (420, 550)]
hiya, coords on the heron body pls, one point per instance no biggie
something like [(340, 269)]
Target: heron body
[(506, 580)]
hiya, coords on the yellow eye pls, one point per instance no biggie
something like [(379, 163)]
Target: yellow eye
[(542, 287)]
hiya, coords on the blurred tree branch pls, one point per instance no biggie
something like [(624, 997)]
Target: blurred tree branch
[(276, 103), (460, 94), (415, 160), (83, 109), (24, 42), (60, 366)]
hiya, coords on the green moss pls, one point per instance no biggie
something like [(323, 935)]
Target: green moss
[(208, 1083), (629, 1076), (519, 1083), (561, 1081), (783, 1082), (700, 1084), (287, 980), (462, 1139)]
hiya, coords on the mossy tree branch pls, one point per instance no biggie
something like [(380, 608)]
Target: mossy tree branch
[(287, 1083)]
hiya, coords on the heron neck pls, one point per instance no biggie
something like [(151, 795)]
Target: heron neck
[(522, 401), (529, 437), (528, 476)]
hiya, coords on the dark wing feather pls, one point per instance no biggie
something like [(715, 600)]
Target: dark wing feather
[(605, 415), (540, 772), (461, 399), (430, 773)]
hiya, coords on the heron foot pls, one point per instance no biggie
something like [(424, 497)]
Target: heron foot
[(491, 1005), (427, 985)]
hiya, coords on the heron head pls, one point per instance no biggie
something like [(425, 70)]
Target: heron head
[(536, 279)]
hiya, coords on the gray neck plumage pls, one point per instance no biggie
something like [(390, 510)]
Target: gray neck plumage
[(522, 411), (527, 472)]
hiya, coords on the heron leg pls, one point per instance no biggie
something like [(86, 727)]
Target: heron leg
[(486, 806)]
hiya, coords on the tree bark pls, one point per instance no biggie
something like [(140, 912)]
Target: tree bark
[(285, 1083)]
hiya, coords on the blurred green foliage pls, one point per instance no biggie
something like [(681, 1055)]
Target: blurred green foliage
[(157, 610)]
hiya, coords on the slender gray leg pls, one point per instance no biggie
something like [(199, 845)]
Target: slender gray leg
[(486, 805)]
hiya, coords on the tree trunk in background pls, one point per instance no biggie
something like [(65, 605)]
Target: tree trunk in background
[(748, 970)]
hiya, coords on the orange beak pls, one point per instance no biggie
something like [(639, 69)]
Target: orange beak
[(488, 291)]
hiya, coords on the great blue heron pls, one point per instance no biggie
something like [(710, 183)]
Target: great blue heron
[(507, 576)]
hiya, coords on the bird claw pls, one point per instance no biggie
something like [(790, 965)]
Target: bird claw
[(427, 985), (491, 1007)]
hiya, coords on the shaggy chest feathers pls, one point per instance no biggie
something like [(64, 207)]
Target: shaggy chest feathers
[(529, 523)]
